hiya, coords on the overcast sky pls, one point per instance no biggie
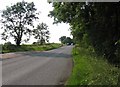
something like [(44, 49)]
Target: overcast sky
[(56, 31)]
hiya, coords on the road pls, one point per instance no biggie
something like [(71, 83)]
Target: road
[(38, 68)]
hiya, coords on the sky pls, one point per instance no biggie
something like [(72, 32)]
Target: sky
[(56, 31)]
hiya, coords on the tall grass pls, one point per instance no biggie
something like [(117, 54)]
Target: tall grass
[(89, 69)]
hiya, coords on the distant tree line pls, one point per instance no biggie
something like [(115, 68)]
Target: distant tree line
[(93, 25), (66, 40)]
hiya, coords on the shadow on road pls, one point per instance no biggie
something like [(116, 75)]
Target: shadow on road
[(47, 54), (56, 53)]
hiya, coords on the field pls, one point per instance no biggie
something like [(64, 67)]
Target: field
[(14, 48)]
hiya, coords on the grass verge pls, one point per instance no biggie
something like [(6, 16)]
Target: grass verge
[(90, 69), (45, 47)]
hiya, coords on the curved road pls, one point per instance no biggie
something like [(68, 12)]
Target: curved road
[(38, 68)]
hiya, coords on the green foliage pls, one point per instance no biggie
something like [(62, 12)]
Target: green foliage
[(41, 33), (90, 69), (66, 40), (95, 28), (13, 48), (8, 45), (92, 24), (62, 39), (17, 20)]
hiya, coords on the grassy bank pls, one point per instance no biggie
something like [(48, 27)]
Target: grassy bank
[(90, 69), (13, 48)]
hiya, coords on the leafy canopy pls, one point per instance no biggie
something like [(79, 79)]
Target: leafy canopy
[(41, 33), (17, 20), (92, 24)]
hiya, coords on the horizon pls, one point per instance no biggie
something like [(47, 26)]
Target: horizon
[(56, 30)]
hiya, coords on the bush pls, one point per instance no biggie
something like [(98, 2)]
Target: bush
[(9, 46)]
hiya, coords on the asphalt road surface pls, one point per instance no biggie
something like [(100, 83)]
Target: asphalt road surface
[(38, 68)]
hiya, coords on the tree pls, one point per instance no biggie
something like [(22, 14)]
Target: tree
[(41, 33), (66, 40), (92, 23), (62, 39), (17, 20)]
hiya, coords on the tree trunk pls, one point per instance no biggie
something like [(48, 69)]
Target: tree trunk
[(18, 41)]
